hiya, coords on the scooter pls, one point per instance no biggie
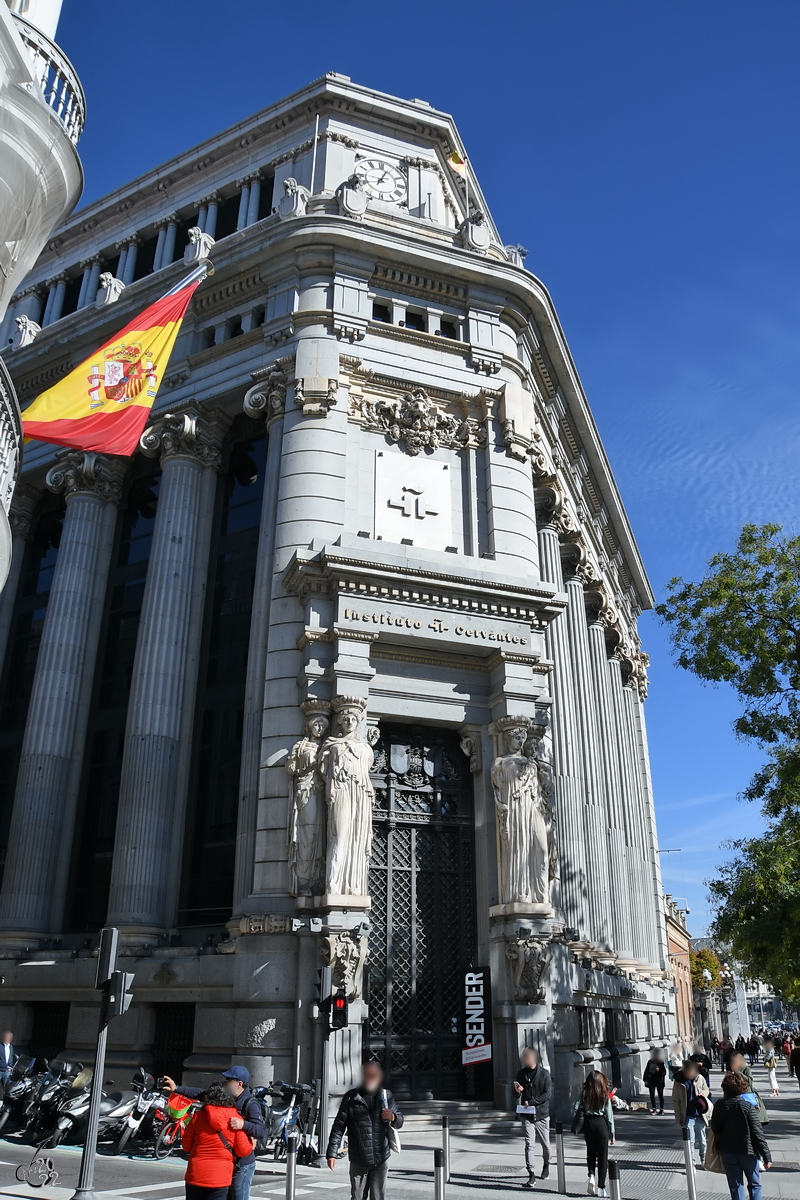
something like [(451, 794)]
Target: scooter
[(115, 1108), (19, 1097), (140, 1119), (61, 1082)]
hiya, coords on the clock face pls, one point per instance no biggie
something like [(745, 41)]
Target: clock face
[(381, 180)]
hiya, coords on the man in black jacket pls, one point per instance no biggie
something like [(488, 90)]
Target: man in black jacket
[(366, 1119), (534, 1089), (250, 1119)]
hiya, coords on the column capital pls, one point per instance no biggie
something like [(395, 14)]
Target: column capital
[(62, 277), (87, 473), (170, 219), (267, 396), (211, 198), (35, 289), (188, 434), (246, 180), (23, 506), (132, 240), (93, 259)]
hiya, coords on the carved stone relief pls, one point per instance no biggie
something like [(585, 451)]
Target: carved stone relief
[(529, 959), (307, 817), (345, 763), (345, 953), (523, 814), (418, 422)]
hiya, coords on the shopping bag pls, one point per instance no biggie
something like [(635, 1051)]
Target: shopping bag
[(713, 1159), (392, 1135)]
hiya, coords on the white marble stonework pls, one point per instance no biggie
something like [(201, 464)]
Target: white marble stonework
[(403, 738)]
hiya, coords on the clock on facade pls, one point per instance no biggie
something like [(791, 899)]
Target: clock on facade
[(381, 180)]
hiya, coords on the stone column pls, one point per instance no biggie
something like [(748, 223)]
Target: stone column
[(655, 888), (20, 518), (55, 298), (127, 269), (255, 198), (41, 825), (511, 513), (598, 891), (213, 202), (165, 245), (244, 203), (91, 280), (614, 841), (266, 398), (158, 735), (639, 902), (570, 785)]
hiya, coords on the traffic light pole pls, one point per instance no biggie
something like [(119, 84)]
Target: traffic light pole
[(325, 1086)]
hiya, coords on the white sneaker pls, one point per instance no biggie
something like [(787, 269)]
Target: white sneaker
[(591, 1186), (602, 1192)]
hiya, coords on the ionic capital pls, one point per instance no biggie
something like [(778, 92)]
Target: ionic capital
[(83, 472), (267, 396)]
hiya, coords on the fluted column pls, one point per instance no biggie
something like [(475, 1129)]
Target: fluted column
[(266, 398), (154, 782), (567, 759), (55, 733), (622, 937), (655, 887), (20, 518), (630, 814), (91, 280), (599, 874)]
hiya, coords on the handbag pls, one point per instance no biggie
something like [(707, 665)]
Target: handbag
[(713, 1160), (578, 1121), (392, 1135)]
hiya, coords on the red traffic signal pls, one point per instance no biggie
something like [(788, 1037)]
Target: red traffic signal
[(339, 1012)]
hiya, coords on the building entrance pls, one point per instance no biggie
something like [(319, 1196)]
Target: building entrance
[(423, 910)]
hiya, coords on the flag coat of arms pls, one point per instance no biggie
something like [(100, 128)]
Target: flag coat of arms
[(104, 403)]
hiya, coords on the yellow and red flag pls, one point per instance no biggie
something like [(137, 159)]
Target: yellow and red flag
[(104, 403), (457, 164)]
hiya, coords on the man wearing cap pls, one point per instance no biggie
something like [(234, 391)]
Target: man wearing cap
[(237, 1082)]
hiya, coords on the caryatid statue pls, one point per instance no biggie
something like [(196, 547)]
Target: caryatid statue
[(522, 811), (307, 808), (345, 764)]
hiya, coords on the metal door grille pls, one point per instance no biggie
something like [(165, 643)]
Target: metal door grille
[(422, 918)]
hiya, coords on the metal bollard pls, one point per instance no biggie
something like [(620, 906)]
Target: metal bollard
[(613, 1180), (291, 1163), (446, 1147), (438, 1174), (688, 1155), (561, 1166)]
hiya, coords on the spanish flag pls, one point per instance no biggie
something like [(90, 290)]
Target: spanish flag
[(104, 403), (457, 164)]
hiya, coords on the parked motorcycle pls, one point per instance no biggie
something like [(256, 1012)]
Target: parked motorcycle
[(19, 1096), (115, 1108), (287, 1115), (62, 1082), (140, 1120)]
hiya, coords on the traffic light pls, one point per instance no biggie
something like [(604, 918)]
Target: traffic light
[(119, 998), (338, 1011)]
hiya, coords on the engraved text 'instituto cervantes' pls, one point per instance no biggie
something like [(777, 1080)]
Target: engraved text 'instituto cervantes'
[(437, 625)]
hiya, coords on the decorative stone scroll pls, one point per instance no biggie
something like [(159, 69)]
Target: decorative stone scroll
[(346, 954), (529, 959), (307, 818), (267, 397), (524, 815), (419, 422), (88, 472), (185, 435), (267, 923)]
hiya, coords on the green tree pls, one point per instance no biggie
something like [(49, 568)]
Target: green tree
[(741, 625), (704, 960), (757, 900)]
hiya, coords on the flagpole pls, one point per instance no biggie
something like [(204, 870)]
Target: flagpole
[(466, 182), (200, 272), (314, 155)]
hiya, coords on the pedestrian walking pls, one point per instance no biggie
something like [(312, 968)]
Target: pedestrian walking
[(534, 1088), (594, 1117), (8, 1057), (786, 1048), (214, 1143), (691, 1104), (740, 1067), (248, 1117), (739, 1139), (794, 1060), (655, 1076), (699, 1056), (771, 1064), (366, 1114)]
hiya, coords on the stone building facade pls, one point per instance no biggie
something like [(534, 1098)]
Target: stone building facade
[(336, 684), (679, 944)]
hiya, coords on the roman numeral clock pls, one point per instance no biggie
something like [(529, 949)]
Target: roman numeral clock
[(382, 180)]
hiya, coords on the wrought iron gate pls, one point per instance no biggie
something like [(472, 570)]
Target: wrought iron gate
[(422, 919)]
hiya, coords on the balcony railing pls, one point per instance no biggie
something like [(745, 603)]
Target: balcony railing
[(57, 77)]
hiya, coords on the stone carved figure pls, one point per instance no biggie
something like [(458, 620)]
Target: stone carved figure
[(307, 816), (522, 818), (345, 764), (345, 953), (529, 959)]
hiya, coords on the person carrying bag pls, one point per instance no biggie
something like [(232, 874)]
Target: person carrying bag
[(213, 1146)]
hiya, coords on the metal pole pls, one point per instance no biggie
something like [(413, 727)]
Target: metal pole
[(314, 155), (613, 1180), (106, 965), (438, 1175), (325, 1085), (291, 1163), (446, 1147), (561, 1166), (688, 1155)]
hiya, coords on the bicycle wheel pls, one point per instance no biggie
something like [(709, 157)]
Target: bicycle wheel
[(165, 1142)]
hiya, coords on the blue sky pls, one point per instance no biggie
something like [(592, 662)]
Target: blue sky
[(646, 154)]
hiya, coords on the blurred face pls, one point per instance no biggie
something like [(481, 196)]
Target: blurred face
[(7, 1036), (371, 1078), (737, 1062), (529, 1058), (234, 1087), (690, 1070)]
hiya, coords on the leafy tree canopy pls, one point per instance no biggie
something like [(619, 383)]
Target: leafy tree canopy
[(704, 960)]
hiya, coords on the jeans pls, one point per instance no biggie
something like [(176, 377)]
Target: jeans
[(739, 1167), (242, 1178), (536, 1131), (370, 1184), (596, 1135), (696, 1125)]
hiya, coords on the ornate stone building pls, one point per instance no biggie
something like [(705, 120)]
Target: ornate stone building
[(41, 118), (341, 672)]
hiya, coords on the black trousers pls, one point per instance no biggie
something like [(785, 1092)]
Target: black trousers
[(195, 1192), (595, 1131), (653, 1088)]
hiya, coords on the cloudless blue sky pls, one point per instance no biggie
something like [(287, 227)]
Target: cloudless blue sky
[(647, 156)]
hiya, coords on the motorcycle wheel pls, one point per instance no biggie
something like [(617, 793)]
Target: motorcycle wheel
[(57, 1137), (5, 1113), (165, 1142), (279, 1150), (122, 1141)]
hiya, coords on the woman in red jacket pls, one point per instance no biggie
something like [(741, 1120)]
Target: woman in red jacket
[(213, 1146)]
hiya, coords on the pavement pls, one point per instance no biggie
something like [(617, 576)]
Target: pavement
[(487, 1159)]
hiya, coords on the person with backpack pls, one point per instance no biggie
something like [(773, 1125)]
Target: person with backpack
[(594, 1118), (534, 1088), (654, 1078), (739, 1138), (214, 1142), (249, 1119), (691, 1104), (369, 1116)]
